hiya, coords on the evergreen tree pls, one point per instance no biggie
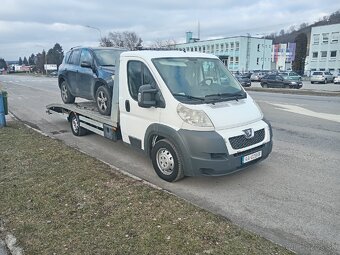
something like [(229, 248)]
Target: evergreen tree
[(20, 61), (3, 64), (31, 60), (25, 62), (300, 53)]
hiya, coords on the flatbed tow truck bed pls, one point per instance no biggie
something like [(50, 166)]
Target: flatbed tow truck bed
[(89, 118)]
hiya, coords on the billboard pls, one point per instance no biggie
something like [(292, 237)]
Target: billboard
[(50, 67)]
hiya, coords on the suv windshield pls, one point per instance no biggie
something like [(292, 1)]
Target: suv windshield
[(106, 57), (198, 80)]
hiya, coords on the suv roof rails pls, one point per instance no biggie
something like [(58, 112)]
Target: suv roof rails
[(159, 49)]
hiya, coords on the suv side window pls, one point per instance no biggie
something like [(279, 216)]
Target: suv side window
[(138, 75), (74, 57), (85, 56)]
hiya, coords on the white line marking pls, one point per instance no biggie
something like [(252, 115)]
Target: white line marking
[(304, 111)]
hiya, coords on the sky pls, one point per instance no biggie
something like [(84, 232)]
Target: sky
[(28, 27)]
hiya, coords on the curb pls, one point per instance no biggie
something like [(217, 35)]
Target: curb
[(296, 91)]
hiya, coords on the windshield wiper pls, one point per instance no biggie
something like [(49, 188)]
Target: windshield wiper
[(225, 96), (188, 96)]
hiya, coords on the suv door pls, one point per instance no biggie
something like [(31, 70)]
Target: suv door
[(71, 72), (134, 120), (86, 77)]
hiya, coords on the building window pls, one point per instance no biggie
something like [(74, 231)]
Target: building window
[(325, 37), (236, 60), (231, 60), (192, 49), (208, 48), (226, 46), (323, 54), (335, 37), (333, 54), (212, 48), (237, 44), (257, 60), (316, 38), (203, 49), (258, 47), (222, 47), (231, 46), (315, 54)]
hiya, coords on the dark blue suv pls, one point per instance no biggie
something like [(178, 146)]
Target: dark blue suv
[(87, 73)]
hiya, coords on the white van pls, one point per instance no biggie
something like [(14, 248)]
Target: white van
[(184, 109)]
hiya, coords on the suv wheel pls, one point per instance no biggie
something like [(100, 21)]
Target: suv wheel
[(66, 95), (103, 100)]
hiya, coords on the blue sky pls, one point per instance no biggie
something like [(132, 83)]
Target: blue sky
[(30, 26)]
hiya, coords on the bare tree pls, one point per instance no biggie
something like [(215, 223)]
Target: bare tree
[(128, 40), (169, 43), (282, 32)]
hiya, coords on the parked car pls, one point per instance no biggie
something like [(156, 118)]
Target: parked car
[(321, 77), (244, 80), (337, 80), (87, 73), (290, 76), (279, 81), (256, 76)]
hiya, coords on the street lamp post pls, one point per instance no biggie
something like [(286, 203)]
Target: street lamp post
[(96, 28)]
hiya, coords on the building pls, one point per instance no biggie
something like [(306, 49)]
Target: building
[(283, 56), (239, 53), (324, 49)]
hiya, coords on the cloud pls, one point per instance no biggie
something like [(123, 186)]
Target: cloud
[(30, 26)]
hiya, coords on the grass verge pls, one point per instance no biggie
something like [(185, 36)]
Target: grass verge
[(57, 200)]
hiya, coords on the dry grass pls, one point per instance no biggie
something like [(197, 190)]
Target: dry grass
[(56, 200)]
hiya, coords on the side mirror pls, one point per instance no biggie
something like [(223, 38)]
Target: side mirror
[(86, 64), (147, 96)]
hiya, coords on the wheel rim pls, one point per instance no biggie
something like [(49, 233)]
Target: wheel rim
[(102, 101), (75, 125), (165, 161), (64, 92)]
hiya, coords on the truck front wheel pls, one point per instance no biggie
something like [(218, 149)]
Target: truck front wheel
[(167, 162)]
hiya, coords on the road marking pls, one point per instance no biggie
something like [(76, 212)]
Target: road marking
[(304, 111)]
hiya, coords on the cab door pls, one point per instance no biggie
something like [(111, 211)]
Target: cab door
[(134, 120)]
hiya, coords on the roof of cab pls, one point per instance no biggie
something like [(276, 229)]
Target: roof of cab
[(150, 54)]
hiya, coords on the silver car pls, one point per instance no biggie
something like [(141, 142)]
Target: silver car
[(256, 76), (321, 77)]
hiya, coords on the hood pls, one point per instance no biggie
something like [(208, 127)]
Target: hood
[(108, 69), (234, 113)]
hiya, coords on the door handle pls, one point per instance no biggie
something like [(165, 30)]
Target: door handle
[(127, 105)]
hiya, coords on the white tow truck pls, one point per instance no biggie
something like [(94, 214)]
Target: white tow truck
[(184, 109)]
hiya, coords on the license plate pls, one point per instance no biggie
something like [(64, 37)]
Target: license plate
[(251, 157)]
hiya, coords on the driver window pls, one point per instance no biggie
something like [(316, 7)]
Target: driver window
[(138, 75), (85, 56)]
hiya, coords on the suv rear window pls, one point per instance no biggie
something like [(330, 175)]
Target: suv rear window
[(74, 58)]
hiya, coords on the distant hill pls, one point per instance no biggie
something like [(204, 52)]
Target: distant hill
[(284, 37)]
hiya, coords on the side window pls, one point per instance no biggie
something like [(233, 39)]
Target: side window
[(138, 75), (85, 56), (74, 57)]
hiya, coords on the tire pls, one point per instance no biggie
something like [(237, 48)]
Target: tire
[(103, 100), (77, 130), (167, 162), (65, 93), (312, 82), (325, 81)]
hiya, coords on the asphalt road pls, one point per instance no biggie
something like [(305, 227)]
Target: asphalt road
[(292, 198)]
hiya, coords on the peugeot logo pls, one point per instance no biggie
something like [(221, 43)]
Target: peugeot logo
[(248, 133)]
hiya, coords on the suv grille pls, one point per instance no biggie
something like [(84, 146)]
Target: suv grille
[(238, 142)]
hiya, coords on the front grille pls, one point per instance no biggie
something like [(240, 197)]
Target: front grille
[(239, 142)]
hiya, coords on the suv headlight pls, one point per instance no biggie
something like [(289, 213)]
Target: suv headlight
[(194, 117)]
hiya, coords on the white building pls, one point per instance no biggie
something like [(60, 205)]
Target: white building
[(324, 49), (239, 53)]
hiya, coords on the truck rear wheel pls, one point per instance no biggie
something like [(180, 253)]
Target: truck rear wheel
[(66, 95), (77, 130), (167, 162)]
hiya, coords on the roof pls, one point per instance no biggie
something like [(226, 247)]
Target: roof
[(149, 54)]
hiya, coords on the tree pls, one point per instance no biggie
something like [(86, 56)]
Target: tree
[(3, 64), (31, 60), (40, 61), (55, 55), (300, 53), (282, 32), (20, 61), (128, 40), (25, 62), (169, 43)]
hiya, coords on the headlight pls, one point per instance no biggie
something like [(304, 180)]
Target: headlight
[(194, 117)]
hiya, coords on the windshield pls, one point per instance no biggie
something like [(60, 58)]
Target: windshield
[(198, 80), (106, 57)]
